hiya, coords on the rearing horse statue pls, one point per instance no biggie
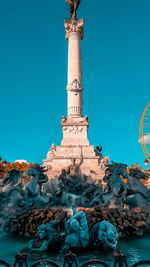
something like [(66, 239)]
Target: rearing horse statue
[(115, 187)]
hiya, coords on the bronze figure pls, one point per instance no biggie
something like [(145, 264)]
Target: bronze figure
[(73, 7)]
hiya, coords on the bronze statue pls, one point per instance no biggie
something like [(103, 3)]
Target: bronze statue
[(73, 8)]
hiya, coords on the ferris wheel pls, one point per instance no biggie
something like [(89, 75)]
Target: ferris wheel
[(144, 132)]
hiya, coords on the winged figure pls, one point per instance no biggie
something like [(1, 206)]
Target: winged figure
[(73, 7)]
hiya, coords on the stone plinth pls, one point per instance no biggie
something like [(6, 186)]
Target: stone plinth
[(75, 131), (64, 154)]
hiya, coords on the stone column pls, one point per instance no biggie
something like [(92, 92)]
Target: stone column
[(74, 33)]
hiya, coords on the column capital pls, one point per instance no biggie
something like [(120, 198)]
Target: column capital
[(74, 26)]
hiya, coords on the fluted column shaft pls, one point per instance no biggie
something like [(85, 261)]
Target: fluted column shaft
[(74, 33)]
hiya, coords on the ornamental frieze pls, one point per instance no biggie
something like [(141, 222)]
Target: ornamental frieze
[(74, 129)]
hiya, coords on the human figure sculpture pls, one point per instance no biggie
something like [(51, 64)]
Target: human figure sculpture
[(104, 163), (51, 152), (75, 236), (53, 147), (104, 234), (77, 233), (77, 189), (34, 188), (74, 168), (73, 8), (49, 236)]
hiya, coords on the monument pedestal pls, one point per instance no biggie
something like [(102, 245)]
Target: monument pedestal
[(75, 131), (64, 155), (74, 146)]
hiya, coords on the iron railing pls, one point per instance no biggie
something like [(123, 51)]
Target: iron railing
[(70, 260)]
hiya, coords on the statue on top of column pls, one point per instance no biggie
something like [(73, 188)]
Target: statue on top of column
[(73, 8)]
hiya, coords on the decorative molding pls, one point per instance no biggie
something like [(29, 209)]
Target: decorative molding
[(75, 86), (74, 111), (74, 26)]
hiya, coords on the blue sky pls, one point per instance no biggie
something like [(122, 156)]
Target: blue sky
[(33, 75)]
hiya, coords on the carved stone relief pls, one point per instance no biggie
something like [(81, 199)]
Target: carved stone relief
[(75, 86), (74, 129)]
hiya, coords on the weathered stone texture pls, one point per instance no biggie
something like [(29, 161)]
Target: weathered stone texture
[(127, 221)]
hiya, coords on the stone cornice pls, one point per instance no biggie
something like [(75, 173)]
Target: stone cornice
[(75, 124), (72, 121), (74, 26)]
